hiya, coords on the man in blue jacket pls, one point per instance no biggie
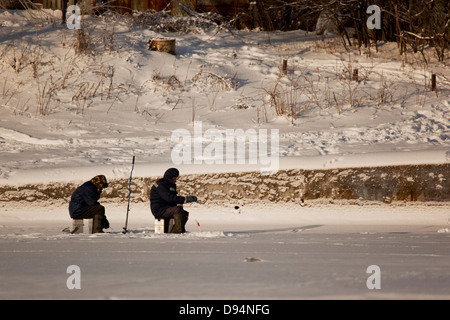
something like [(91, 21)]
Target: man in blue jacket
[(166, 203), (84, 203)]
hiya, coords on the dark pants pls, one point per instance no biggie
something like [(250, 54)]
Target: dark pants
[(180, 217), (96, 212)]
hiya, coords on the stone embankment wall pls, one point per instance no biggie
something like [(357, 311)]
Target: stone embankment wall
[(386, 184)]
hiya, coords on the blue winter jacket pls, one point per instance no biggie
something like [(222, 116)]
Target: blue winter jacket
[(82, 198)]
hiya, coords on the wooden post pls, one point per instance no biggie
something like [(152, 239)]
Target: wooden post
[(284, 66), (433, 82), (355, 75)]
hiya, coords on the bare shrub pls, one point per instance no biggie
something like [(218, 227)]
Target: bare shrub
[(209, 79), (286, 98)]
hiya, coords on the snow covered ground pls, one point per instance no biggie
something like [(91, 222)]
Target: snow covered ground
[(267, 251), (66, 117)]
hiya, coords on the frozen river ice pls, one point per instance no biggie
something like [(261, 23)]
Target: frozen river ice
[(317, 253)]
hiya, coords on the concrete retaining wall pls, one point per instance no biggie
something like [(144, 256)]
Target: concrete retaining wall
[(386, 184)]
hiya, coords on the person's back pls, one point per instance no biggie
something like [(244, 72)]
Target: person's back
[(83, 197)]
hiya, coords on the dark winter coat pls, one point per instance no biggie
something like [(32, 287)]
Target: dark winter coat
[(164, 195), (84, 196)]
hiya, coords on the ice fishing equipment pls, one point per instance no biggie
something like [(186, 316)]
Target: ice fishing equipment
[(198, 225), (163, 225), (129, 196)]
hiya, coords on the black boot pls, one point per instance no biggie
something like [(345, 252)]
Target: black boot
[(186, 218), (178, 223), (97, 224)]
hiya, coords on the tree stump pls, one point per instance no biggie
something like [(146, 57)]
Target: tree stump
[(162, 45)]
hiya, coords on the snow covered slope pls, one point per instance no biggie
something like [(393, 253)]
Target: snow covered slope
[(67, 116)]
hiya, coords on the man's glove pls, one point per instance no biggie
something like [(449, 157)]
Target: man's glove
[(191, 199)]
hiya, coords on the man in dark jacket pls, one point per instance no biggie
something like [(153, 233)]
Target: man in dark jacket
[(84, 203), (165, 202)]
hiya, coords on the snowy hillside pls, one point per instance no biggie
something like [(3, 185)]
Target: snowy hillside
[(66, 115)]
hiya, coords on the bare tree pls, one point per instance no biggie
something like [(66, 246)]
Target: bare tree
[(417, 24)]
